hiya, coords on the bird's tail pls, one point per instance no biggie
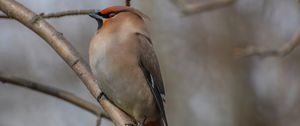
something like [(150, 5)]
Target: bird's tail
[(156, 123)]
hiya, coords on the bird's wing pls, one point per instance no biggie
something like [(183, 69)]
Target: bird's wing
[(149, 65)]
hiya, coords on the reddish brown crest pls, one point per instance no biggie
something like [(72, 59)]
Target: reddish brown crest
[(115, 9)]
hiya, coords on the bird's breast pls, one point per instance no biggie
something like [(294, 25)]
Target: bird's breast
[(115, 64)]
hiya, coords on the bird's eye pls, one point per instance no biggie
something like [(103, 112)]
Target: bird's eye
[(111, 14)]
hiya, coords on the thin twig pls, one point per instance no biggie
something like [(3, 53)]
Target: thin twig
[(66, 51), (282, 51), (61, 94), (127, 3), (59, 14), (98, 121), (192, 8)]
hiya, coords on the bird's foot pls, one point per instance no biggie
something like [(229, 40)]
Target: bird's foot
[(129, 124), (140, 124), (144, 119), (100, 96)]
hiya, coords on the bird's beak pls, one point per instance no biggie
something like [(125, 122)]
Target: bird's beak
[(95, 16), (98, 18)]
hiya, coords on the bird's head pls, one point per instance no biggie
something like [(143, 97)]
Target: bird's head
[(113, 11)]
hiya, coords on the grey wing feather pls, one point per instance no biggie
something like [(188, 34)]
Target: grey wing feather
[(150, 61), (149, 65)]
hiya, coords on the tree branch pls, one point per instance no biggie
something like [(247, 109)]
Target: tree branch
[(58, 14), (192, 8), (63, 47), (61, 94), (282, 51), (127, 3)]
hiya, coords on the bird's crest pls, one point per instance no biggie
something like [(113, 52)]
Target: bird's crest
[(117, 9)]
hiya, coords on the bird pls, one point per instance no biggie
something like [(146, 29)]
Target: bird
[(123, 60)]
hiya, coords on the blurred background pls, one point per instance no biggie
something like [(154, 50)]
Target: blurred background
[(206, 84)]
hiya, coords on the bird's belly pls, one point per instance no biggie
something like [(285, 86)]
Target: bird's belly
[(124, 83)]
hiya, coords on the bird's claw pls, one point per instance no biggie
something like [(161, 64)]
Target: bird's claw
[(100, 96), (129, 125)]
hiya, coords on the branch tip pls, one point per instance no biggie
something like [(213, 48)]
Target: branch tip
[(128, 3)]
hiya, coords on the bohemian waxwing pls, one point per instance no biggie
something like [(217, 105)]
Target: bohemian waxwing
[(123, 60)]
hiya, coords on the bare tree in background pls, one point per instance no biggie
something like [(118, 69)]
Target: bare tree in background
[(194, 8)]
